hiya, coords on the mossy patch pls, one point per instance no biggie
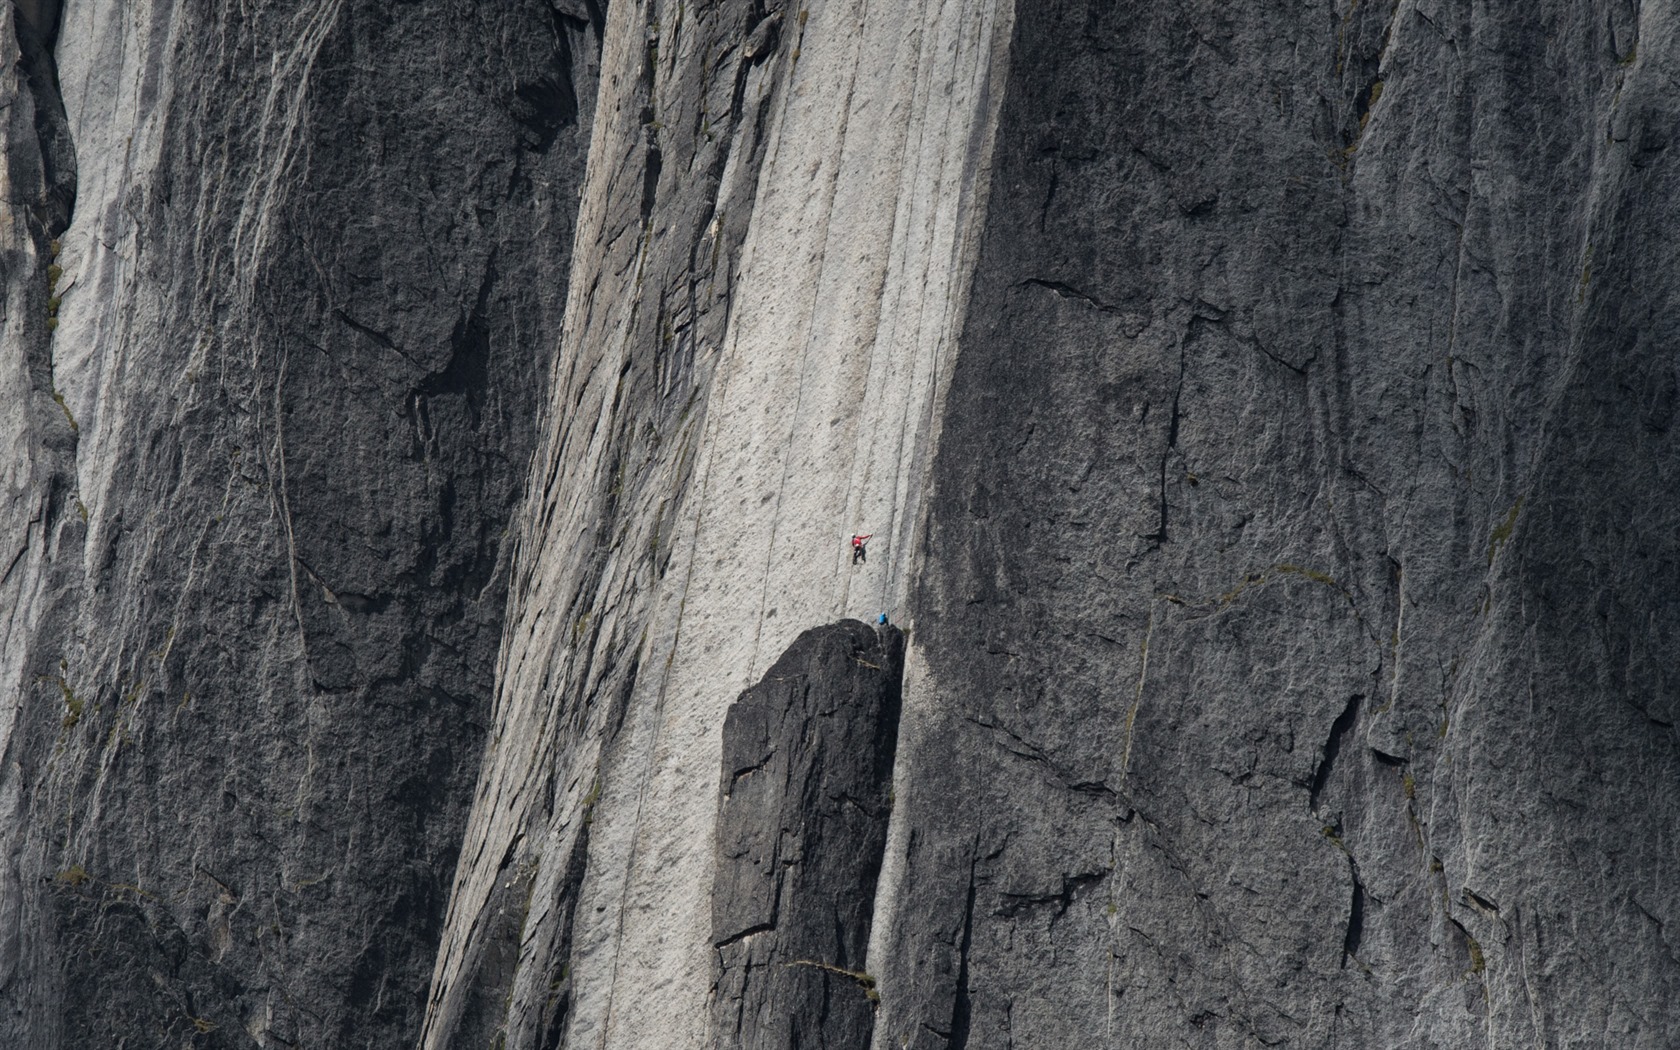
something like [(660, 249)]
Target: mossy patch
[(864, 978), (58, 396), (1370, 104), (1312, 574), (589, 801), (73, 876), (73, 704), (1501, 533)]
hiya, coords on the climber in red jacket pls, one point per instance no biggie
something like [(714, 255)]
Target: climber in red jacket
[(858, 553)]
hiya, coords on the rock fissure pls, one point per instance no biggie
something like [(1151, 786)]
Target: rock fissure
[(37, 25), (1332, 750)]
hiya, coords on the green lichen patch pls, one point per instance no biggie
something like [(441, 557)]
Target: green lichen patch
[(1501, 533), (73, 876)]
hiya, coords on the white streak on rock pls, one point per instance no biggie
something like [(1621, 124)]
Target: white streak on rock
[(819, 422)]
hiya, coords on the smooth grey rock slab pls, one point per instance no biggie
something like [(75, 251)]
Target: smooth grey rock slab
[(767, 291)]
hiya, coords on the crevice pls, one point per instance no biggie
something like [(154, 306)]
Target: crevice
[(764, 38), (762, 927), (1299, 370), (1044, 209), (654, 160), (1062, 777), (1475, 962), (1332, 749), (556, 1008), (549, 104), (1160, 536), (735, 777), (373, 335), (597, 21), (1476, 900), (1016, 903), (1355, 923), (738, 93), (650, 178), (962, 1008), (1068, 291), (37, 26), (1662, 927), (468, 372)]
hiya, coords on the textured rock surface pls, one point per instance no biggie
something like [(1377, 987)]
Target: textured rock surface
[(1265, 414), (804, 796), (1285, 660), (765, 303), (256, 502)]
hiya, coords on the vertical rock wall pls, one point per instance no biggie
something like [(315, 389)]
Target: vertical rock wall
[(1286, 657), (767, 290), (281, 365), (1264, 417), (37, 448)]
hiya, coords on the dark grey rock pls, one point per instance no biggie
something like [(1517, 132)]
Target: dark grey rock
[(36, 25), (1301, 547), (805, 792), (256, 683)]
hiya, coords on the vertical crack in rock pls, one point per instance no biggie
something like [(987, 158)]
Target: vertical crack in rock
[(962, 1006), (1332, 749), (1355, 923), (802, 823), (37, 23), (41, 512)]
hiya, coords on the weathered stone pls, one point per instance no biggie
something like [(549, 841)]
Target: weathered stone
[(1296, 561), (284, 358), (1265, 415), (768, 289), (804, 795)]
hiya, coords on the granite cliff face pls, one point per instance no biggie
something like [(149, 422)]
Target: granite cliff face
[(431, 435), (270, 393), (1301, 549)]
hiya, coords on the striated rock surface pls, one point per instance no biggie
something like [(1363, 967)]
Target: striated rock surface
[(1265, 420), (1285, 657), (270, 390), (766, 294)]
